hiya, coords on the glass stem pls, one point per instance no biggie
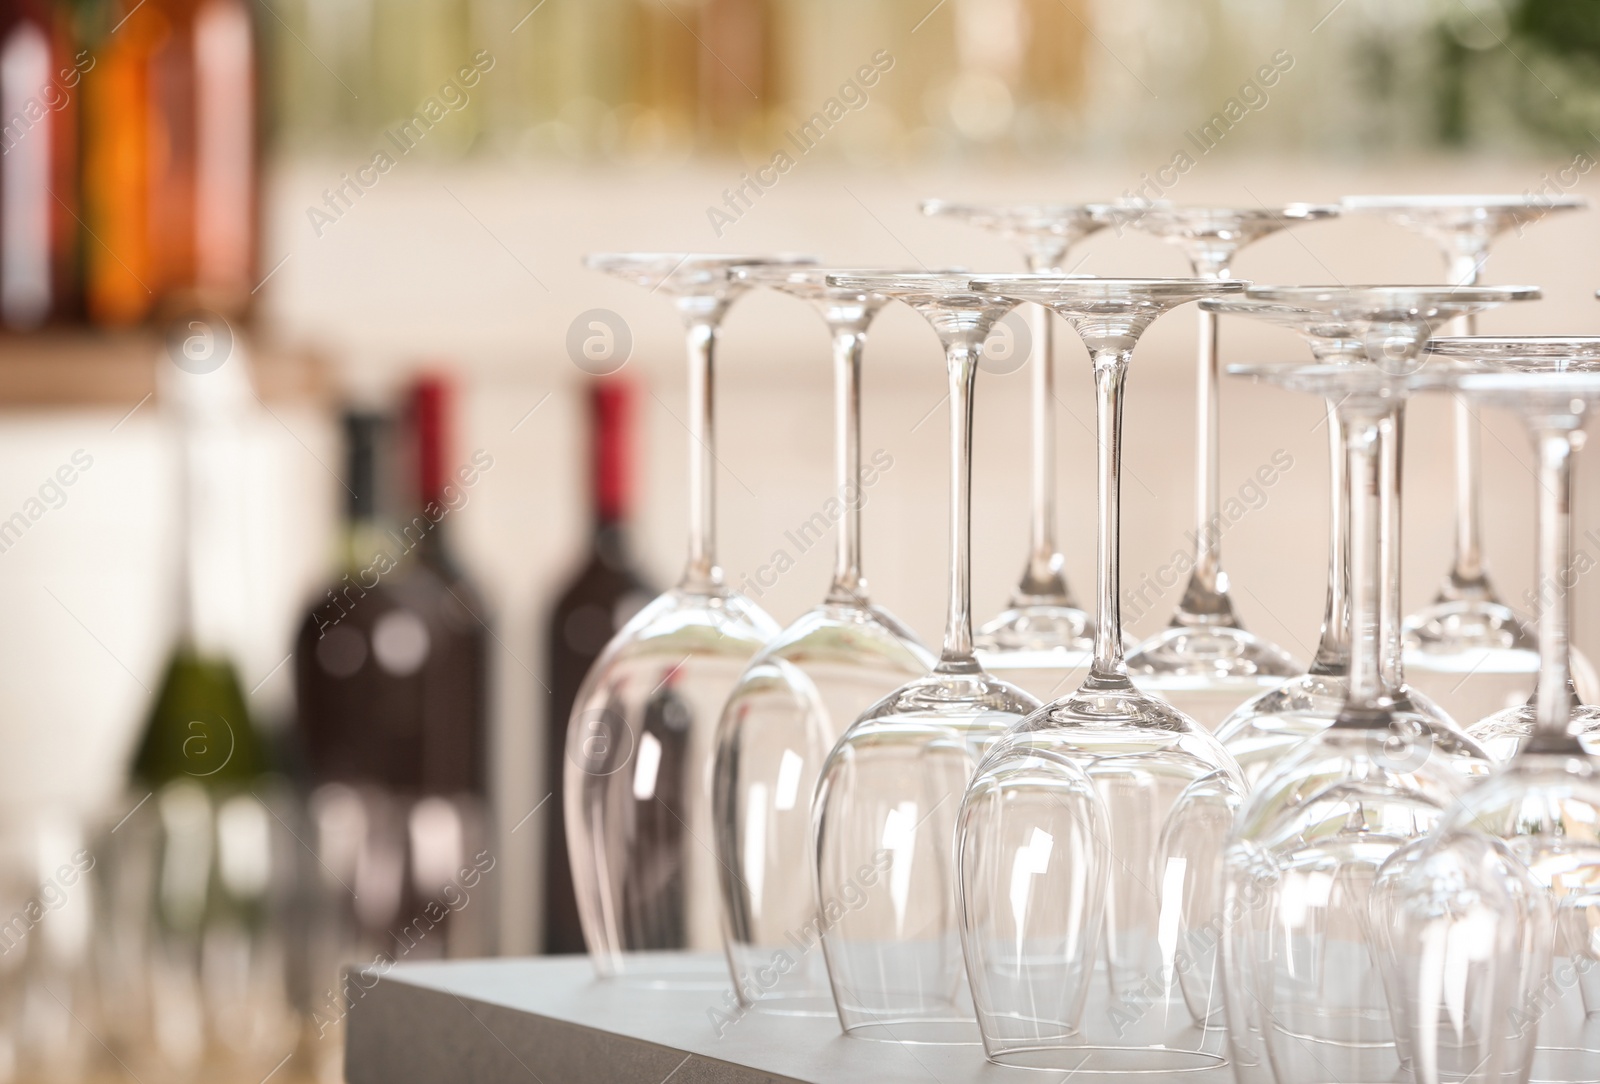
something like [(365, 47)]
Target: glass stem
[(961, 360), (1205, 600), (1110, 374), (1042, 580), (1555, 555), (848, 588), (1391, 612), (702, 571), (1333, 649), (1468, 577), (1364, 458)]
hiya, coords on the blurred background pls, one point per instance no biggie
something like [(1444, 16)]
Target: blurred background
[(288, 288)]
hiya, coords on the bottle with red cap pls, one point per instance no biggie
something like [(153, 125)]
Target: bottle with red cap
[(596, 602)]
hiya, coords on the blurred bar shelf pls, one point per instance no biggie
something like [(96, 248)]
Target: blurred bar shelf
[(549, 1019), (73, 368)]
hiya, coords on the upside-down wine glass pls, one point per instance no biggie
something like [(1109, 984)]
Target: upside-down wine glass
[(1489, 925), (639, 740), (885, 807), (794, 700), (1043, 640), (1204, 661), (1391, 322), (1259, 731), (1468, 650), (1303, 996), (1061, 898), (1503, 733)]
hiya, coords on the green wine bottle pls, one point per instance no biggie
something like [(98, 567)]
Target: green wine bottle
[(199, 726)]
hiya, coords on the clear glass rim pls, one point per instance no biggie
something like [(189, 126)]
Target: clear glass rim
[(1333, 381), (1045, 288), (813, 281), (1213, 216), (1042, 217), (1392, 297), (1462, 202), (1544, 387), (1513, 348), (650, 261)]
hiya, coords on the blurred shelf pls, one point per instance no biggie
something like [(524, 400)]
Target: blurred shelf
[(90, 368), (549, 1019)]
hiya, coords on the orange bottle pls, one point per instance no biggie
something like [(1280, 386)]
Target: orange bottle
[(170, 158)]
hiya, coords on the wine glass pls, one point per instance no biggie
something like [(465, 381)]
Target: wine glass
[(640, 737), (1057, 901), (794, 700), (1489, 922), (1043, 639), (1205, 662), (1503, 733), (1303, 997), (886, 804), (1467, 649), (1261, 729)]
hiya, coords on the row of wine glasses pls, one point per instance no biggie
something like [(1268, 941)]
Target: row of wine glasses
[(913, 842)]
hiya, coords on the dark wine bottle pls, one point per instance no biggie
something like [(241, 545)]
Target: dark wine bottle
[(595, 604), (457, 693), (360, 653)]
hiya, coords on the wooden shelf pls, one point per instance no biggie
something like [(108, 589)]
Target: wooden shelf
[(89, 369)]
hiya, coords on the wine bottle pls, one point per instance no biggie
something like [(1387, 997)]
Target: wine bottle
[(360, 651), (200, 725), (594, 605), (40, 77), (455, 704), (170, 158)]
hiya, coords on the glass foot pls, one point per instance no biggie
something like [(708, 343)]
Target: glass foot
[(1042, 649), (1504, 733), (1474, 656), (917, 1032), (1208, 671), (1118, 1060)]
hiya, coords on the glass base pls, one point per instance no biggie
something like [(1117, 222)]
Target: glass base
[(1115, 1060), (1262, 730), (1043, 650), (813, 1005), (1038, 627), (663, 971), (1207, 670), (1475, 656), (1504, 733), (916, 1031)]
